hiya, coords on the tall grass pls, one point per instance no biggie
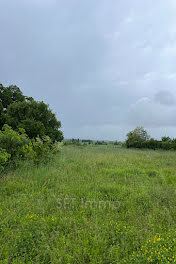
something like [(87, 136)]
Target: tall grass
[(92, 204)]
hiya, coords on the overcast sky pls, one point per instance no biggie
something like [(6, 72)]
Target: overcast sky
[(104, 66)]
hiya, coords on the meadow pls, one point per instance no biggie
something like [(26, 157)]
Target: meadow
[(91, 204)]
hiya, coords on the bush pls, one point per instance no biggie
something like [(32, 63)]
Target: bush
[(4, 157), (12, 141), (174, 144), (17, 146), (166, 145), (151, 144), (42, 149)]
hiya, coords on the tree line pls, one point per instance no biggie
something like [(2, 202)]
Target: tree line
[(139, 138)]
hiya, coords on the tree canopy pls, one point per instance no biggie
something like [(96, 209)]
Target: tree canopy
[(20, 111), (137, 137), (9, 95)]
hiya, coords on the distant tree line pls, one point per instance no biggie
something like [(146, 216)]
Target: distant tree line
[(84, 142), (139, 138)]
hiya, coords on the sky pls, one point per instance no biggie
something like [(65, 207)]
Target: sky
[(103, 66)]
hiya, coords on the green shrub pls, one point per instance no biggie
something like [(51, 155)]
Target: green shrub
[(4, 157), (152, 144), (43, 149), (166, 145), (16, 145), (12, 141)]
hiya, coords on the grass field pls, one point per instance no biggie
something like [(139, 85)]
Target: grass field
[(92, 204)]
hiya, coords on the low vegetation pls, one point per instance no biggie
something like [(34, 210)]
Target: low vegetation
[(91, 204)]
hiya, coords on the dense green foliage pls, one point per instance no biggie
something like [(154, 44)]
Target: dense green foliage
[(20, 111), (13, 141), (40, 224), (16, 146), (9, 95), (4, 157), (139, 138)]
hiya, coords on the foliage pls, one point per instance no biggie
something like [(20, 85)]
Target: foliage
[(9, 95), (36, 118), (137, 137), (118, 143), (20, 111), (100, 142), (151, 144), (73, 141), (43, 149), (166, 139), (4, 157), (16, 145), (88, 141), (12, 141)]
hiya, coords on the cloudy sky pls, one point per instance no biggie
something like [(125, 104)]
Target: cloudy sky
[(104, 66)]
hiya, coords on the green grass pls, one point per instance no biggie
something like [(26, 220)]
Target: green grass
[(92, 204)]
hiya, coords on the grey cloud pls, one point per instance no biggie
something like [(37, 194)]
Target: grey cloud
[(93, 60), (149, 113), (165, 98)]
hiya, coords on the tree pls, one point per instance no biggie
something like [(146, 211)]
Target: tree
[(166, 143), (166, 139), (20, 111), (137, 137), (9, 95), (36, 118), (151, 144)]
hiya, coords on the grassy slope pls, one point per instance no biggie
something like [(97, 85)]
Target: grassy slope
[(37, 227)]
